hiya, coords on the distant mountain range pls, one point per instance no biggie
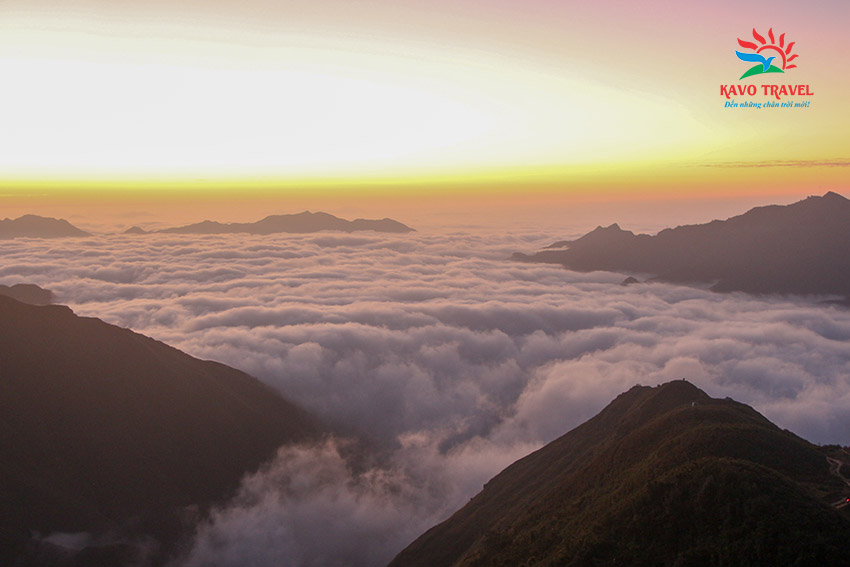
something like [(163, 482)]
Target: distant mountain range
[(661, 477), (803, 248), (105, 430), (34, 226), (27, 293), (298, 223)]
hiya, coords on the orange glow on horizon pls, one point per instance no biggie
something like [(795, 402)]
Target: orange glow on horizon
[(405, 103), (588, 181)]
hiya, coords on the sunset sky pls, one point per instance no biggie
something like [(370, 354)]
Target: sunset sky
[(491, 128), (357, 99)]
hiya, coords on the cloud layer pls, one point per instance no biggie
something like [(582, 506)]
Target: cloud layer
[(445, 358)]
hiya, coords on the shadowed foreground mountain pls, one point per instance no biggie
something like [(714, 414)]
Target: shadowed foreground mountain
[(112, 433), (299, 223), (800, 248), (661, 477), (33, 226)]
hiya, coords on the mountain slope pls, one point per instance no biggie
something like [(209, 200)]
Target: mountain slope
[(101, 428), (299, 223), (799, 248), (34, 226), (662, 476)]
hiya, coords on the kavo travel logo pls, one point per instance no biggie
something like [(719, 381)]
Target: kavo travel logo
[(766, 53), (771, 55)]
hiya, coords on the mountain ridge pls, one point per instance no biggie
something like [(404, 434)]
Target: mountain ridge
[(27, 293), (34, 226), (103, 429), (799, 248), (651, 480), (300, 223)]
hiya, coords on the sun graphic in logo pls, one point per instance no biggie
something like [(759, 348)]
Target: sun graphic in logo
[(782, 52)]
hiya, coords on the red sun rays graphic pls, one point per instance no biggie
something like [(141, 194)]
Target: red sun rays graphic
[(783, 50)]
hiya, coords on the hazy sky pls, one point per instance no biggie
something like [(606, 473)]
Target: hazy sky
[(385, 97)]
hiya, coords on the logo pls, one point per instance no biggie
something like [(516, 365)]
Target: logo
[(769, 57), (764, 54)]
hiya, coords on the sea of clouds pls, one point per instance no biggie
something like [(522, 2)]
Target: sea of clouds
[(437, 359)]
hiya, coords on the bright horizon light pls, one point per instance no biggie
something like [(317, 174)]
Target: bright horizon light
[(300, 107), (341, 96)]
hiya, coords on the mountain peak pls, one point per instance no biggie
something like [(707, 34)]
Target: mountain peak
[(611, 228), (833, 196), (34, 226), (27, 293), (798, 248), (659, 475), (668, 394), (303, 222), (828, 198), (602, 235)]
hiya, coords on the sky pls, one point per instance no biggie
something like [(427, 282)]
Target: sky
[(441, 101)]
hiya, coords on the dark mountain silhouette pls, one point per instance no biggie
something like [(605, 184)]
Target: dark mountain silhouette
[(662, 476), (299, 223), (103, 430), (800, 248), (27, 293), (135, 230), (34, 226)]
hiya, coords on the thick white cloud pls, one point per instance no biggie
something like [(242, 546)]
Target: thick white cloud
[(447, 358)]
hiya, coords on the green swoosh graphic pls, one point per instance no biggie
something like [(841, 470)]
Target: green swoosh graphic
[(757, 70)]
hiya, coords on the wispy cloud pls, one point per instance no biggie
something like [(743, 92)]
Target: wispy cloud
[(837, 162)]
